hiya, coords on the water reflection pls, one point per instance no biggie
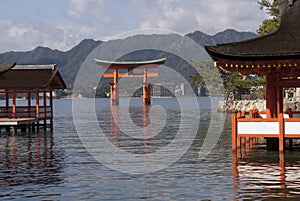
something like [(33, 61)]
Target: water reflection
[(29, 158), (262, 175), (142, 142)]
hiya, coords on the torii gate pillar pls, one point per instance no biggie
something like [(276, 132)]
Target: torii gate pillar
[(114, 89), (146, 90), (146, 94)]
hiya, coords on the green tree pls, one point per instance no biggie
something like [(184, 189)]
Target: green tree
[(208, 79), (271, 24)]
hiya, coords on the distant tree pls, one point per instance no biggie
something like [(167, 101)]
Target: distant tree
[(235, 84), (271, 24), (208, 79)]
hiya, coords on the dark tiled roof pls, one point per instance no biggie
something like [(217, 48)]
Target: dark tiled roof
[(282, 44), (32, 77), (6, 66)]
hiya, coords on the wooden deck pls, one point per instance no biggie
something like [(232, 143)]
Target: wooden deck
[(24, 124), (17, 121)]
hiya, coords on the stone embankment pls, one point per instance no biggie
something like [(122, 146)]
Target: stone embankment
[(242, 105), (246, 105)]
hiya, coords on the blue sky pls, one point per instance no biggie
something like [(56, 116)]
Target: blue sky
[(61, 24)]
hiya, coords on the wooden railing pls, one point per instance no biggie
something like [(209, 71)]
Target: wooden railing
[(44, 112), (256, 125)]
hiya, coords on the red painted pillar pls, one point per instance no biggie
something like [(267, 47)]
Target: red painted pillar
[(114, 89), (282, 172), (29, 102), (14, 111), (51, 105), (279, 98), (37, 104), (146, 89), (146, 94), (7, 102), (281, 133), (45, 105), (271, 96), (234, 133)]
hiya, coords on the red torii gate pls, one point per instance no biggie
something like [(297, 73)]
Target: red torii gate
[(130, 66)]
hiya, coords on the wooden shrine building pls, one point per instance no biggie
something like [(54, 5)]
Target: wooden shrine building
[(276, 56), (129, 66), (35, 83)]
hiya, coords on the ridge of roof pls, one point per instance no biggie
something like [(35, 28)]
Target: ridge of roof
[(161, 60), (6, 66), (35, 67)]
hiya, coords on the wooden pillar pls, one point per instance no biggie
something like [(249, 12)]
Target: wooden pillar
[(145, 75), (45, 106), (29, 102), (282, 173), (37, 104), (279, 99), (235, 172), (146, 89), (146, 94), (234, 133), (281, 133), (114, 94), (272, 105), (51, 106), (114, 89), (7, 102), (14, 104), (271, 96)]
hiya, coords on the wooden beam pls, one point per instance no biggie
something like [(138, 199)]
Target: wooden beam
[(288, 83), (125, 75)]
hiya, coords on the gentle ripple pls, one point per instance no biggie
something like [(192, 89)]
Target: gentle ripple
[(55, 166)]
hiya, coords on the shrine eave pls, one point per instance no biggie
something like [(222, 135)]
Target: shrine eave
[(288, 68), (130, 64), (217, 54)]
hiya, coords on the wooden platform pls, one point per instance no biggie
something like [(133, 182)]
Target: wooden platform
[(16, 121)]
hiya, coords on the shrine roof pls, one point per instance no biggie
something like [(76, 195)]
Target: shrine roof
[(283, 44), (6, 66), (129, 64), (32, 77)]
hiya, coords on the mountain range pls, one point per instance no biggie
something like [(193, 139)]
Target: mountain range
[(69, 62)]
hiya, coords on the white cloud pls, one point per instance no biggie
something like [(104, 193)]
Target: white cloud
[(25, 35), (205, 15), (100, 19)]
